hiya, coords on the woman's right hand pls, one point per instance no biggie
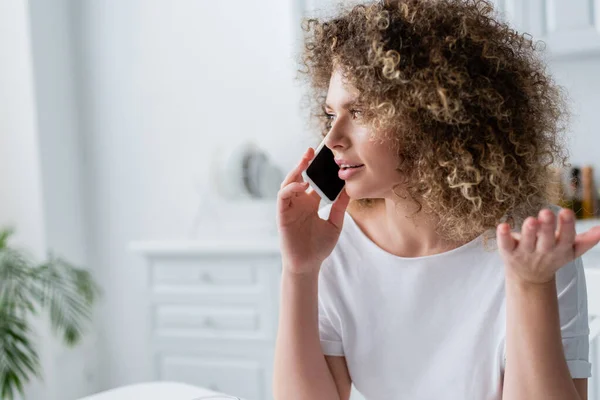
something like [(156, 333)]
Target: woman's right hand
[(306, 239)]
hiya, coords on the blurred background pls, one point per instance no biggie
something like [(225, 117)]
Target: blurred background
[(143, 140)]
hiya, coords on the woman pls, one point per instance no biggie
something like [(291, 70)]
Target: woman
[(443, 271)]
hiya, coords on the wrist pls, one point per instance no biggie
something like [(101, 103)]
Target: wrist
[(301, 267), (301, 281), (306, 270), (514, 280)]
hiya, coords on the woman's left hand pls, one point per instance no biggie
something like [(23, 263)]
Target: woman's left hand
[(541, 249)]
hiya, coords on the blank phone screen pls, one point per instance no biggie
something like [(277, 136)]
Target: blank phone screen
[(324, 173)]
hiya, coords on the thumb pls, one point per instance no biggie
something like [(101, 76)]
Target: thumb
[(336, 215), (586, 240)]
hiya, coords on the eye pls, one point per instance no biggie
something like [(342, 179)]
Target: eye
[(356, 113), (327, 120)]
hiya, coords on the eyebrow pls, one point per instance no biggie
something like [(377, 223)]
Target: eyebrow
[(345, 105)]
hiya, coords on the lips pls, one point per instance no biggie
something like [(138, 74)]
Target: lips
[(349, 172), (346, 164)]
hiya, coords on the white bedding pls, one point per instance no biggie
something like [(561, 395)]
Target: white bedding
[(153, 391)]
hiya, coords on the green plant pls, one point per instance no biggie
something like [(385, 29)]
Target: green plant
[(66, 292)]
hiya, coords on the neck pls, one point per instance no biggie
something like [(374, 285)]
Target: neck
[(393, 225)]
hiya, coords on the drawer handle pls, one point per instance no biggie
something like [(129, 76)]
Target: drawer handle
[(209, 322), (205, 277)]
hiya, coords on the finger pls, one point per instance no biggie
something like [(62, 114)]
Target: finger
[(506, 241), (587, 240), (529, 234), (336, 214), (290, 191), (546, 237), (295, 175), (566, 227)]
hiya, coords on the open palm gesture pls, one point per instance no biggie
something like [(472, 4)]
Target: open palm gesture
[(544, 245)]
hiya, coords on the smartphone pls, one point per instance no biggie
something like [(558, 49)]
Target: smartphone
[(322, 174)]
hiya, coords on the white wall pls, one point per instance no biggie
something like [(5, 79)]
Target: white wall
[(40, 167), (20, 182), (21, 197), (62, 170), (163, 85)]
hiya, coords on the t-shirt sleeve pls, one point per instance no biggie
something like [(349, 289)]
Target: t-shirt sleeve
[(331, 339), (573, 312), (331, 342)]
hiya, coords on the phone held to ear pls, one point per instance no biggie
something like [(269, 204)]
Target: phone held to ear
[(322, 174)]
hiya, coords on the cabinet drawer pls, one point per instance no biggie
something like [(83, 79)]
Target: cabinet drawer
[(242, 378), (208, 319), (204, 272)]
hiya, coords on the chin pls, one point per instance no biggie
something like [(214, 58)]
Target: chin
[(357, 192)]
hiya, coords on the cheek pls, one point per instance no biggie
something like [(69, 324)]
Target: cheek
[(384, 162)]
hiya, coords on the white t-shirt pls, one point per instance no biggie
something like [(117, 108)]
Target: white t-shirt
[(432, 327)]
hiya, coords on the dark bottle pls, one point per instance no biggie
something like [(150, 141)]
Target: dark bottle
[(576, 195), (588, 195)]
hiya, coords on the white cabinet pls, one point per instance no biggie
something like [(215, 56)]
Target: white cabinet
[(567, 27), (511, 11), (213, 310)]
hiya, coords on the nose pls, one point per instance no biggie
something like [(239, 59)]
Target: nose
[(338, 136)]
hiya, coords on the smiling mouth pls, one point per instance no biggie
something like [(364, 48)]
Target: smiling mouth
[(345, 167), (350, 171)]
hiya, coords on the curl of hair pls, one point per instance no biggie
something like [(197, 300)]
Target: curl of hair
[(464, 99)]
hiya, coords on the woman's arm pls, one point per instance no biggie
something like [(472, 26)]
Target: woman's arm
[(341, 375), (301, 371), (535, 359), (536, 367)]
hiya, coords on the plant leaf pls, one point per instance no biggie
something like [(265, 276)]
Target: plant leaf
[(69, 294), (15, 280), (4, 235), (18, 357), (66, 291)]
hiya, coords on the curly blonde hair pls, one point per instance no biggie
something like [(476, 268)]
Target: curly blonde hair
[(463, 98)]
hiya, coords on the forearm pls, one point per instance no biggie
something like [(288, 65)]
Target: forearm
[(301, 372), (535, 363)]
